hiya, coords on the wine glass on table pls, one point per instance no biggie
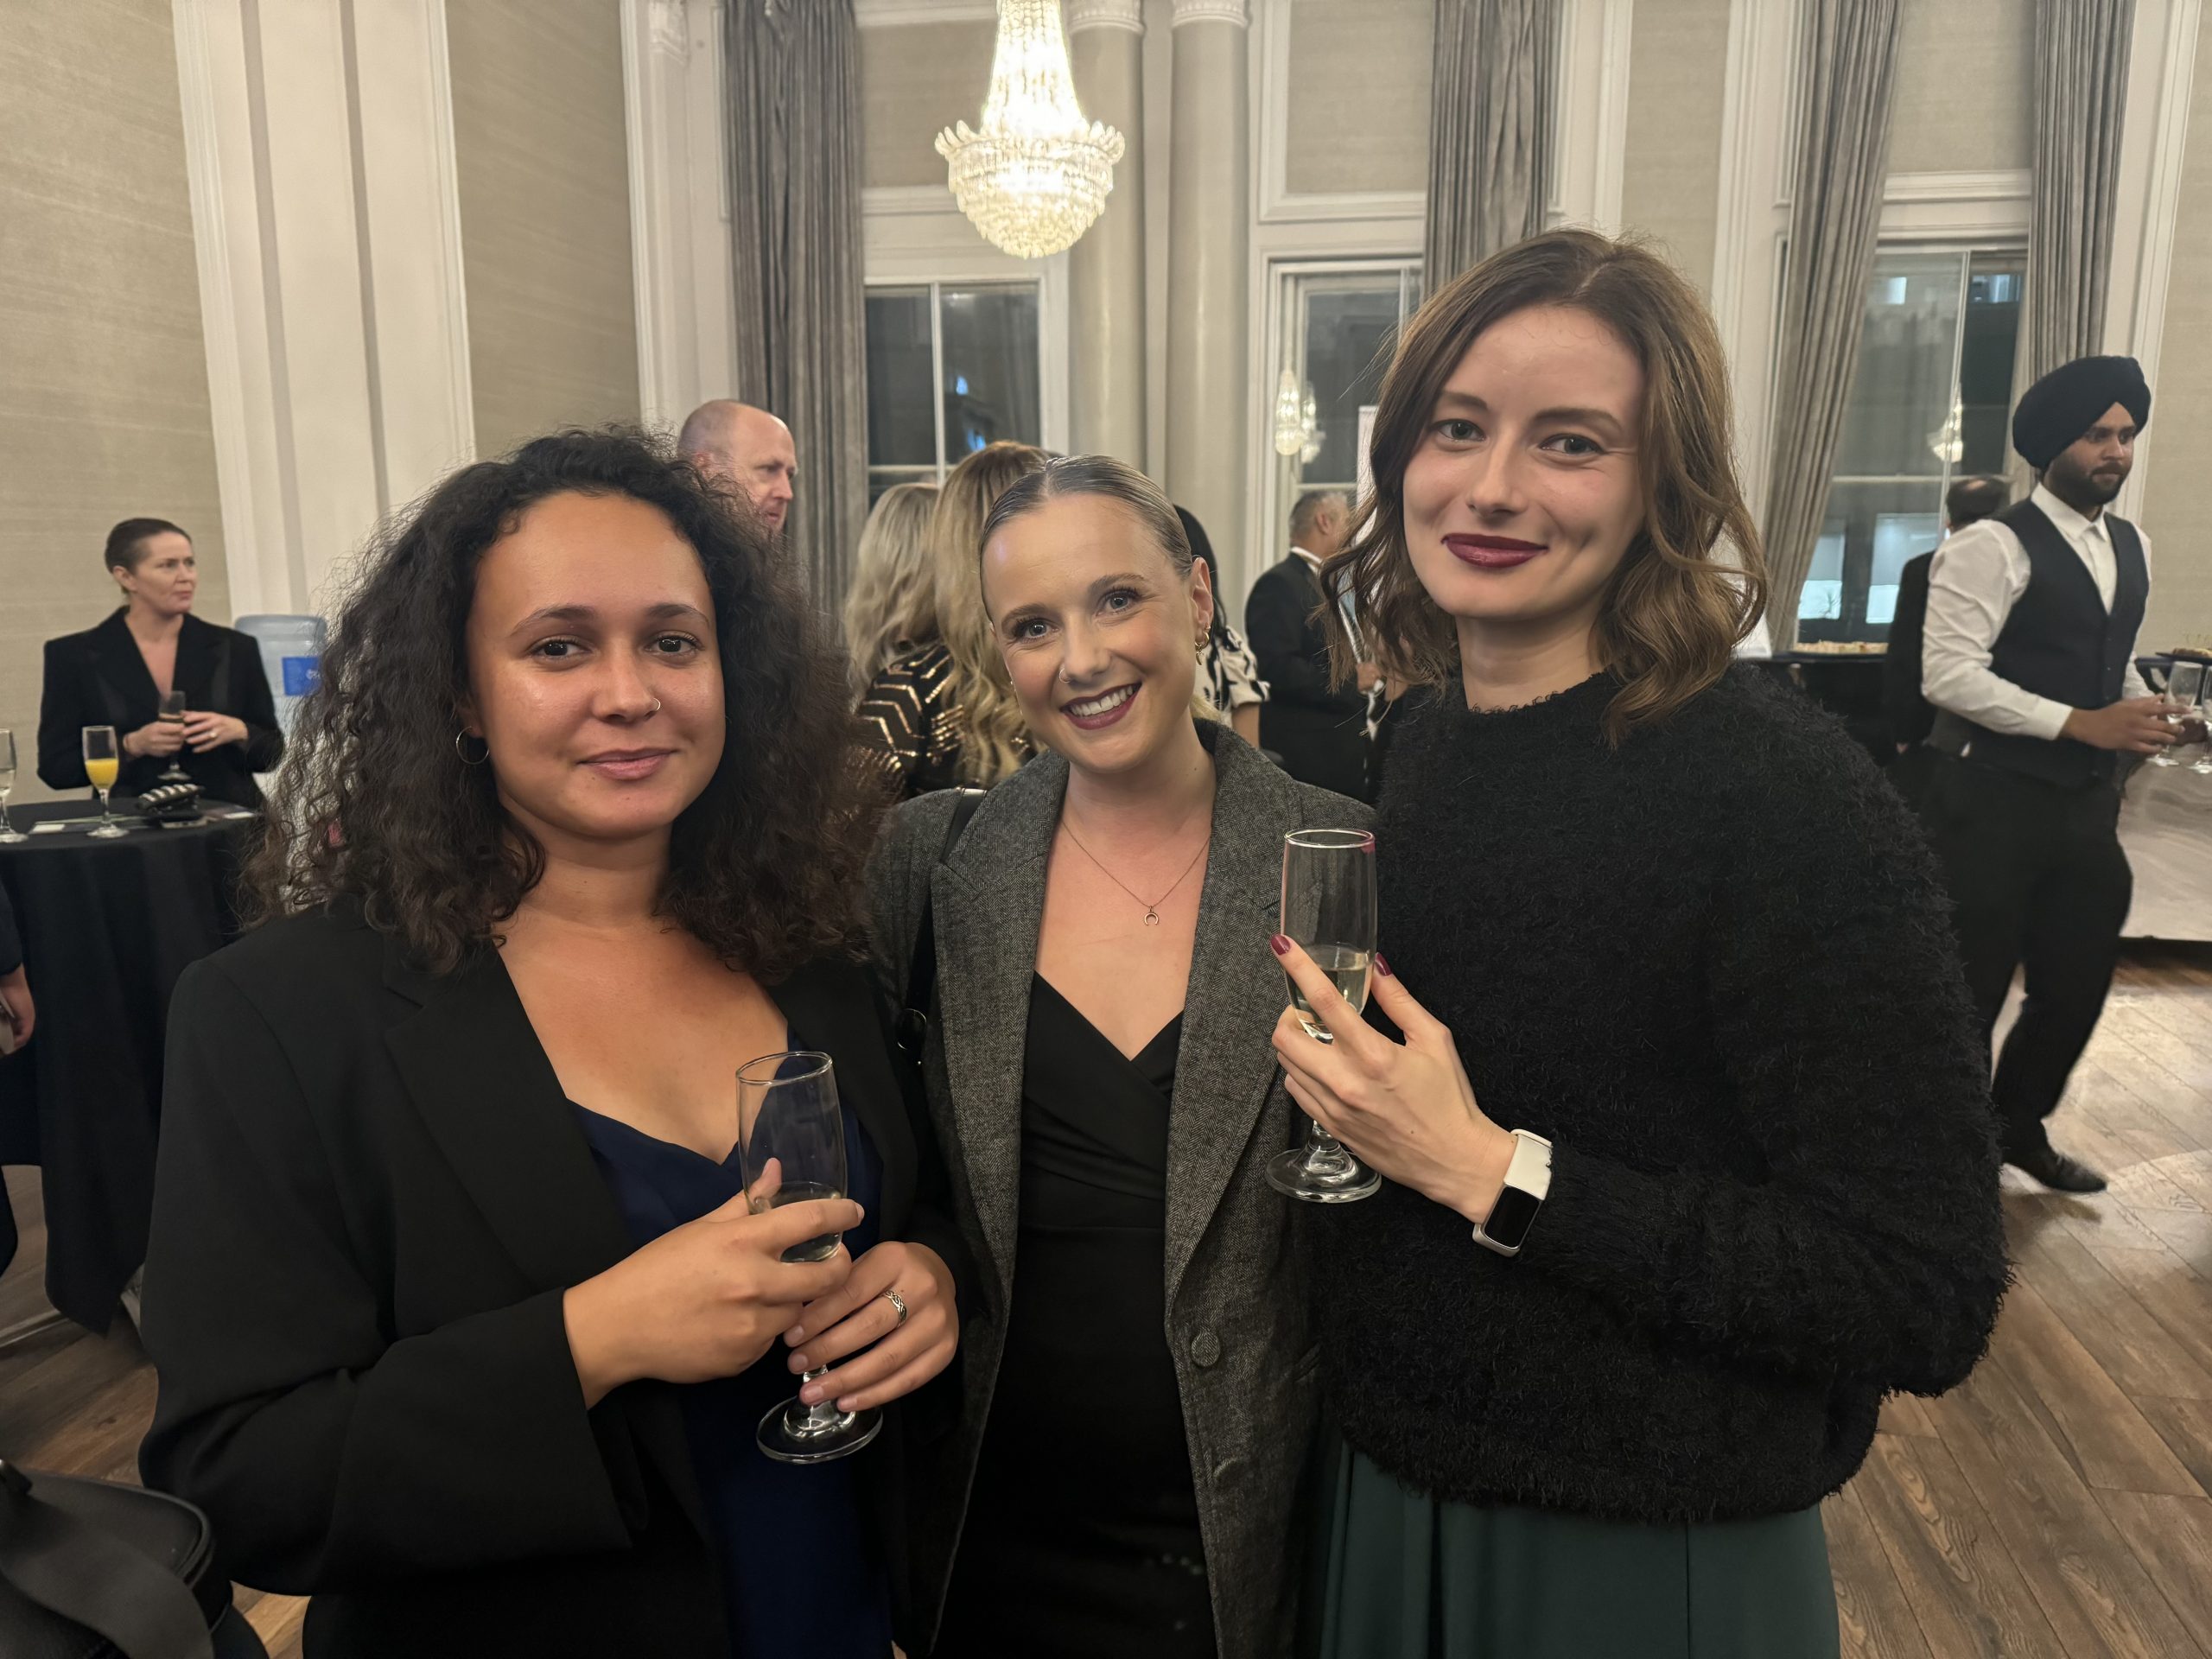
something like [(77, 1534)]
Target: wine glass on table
[(172, 714), (2184, 685), (103, 760), (1328, 910), (790, 1142), (2203, 715), (8, 831)]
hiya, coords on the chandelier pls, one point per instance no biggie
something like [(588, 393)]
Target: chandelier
[(1037, 175), (1298, 425)]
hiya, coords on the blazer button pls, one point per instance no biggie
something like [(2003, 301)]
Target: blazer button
[(1206, 1348)]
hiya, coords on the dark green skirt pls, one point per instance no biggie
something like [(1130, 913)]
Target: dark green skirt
[(1409, 1578)]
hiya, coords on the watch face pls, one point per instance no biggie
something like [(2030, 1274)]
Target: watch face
[(1510, 1216)]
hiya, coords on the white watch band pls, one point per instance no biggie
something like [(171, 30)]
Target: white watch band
[(1531, 1173)]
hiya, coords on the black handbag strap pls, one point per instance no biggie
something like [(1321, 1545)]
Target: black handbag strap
[(921, 971), (91, 1578)]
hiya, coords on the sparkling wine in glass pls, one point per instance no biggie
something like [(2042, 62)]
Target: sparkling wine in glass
[(2184, 685), (172, 714), (103, 760), (8, 831), (1328, 909), (790, 1139)]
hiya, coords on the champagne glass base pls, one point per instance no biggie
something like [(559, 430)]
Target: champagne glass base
[(108, 832), (1322, 1175), (2164, 761), (10, 835), (791, 1433)]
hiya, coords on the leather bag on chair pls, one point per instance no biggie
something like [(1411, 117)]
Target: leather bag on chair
[(94, 1569)]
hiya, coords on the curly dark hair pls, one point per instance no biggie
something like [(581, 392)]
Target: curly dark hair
[(374, 805)]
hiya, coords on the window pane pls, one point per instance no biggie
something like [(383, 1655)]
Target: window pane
[(880, 478), (991, 367), (1872, 530), (1349, 320), (901, 426), (1897, 420), (1993, 329)]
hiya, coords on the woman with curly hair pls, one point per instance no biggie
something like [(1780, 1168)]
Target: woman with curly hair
[(892, 611), (462, 1321), (944, 714)]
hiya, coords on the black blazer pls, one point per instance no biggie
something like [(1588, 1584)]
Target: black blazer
[(1912, 715), (100, 678), (11, 944), (1321, 733), (370, 1195)]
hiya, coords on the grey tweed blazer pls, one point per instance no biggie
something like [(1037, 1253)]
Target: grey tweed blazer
[(1239, 1320)]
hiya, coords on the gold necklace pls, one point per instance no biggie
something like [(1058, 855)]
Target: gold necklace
[(1151, 908)]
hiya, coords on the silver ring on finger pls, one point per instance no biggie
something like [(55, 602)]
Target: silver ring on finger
[(898, 1303)]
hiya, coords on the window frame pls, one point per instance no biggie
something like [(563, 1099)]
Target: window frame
[(906, 471)]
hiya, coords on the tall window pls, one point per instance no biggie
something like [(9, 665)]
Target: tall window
[(1929, 402), (950, 369), (1338, 327)]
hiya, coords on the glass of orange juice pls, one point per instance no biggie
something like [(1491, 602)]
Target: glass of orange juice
[(103, 760)]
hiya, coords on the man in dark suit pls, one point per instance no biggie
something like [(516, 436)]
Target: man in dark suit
[(1320, 731), (1912, 717)]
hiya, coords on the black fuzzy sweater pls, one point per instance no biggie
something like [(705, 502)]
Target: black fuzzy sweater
[(1716, 968)]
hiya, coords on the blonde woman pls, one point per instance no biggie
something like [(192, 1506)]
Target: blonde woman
[(891, 611), (945, 716)]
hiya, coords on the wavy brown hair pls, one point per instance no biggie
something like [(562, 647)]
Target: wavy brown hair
[(995, 738), (374, 805), (1679, 604)]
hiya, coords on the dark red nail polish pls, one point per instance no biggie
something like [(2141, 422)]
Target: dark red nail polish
[(1281, 942), (1382, 966)]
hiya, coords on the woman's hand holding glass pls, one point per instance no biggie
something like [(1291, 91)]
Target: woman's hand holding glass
[(160, 738), (705, 1300), (205, 731), (1406, 1110), (906, 1354)]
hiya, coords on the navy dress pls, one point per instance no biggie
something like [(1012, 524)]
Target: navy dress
[(800, 1572)]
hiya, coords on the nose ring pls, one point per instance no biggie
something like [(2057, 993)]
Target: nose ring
[(655, 708)]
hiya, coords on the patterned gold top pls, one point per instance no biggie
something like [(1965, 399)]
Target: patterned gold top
[(910, 728)]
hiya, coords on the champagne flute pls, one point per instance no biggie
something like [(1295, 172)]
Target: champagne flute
[(790, 1143), (2184, 685), (172, 714), (2202, 765), (8, 831), (1328, 909), (103, 760)]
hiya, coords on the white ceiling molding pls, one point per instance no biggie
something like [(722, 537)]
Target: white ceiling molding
[(1274, 204), (908, 13), (1213, 11), (1983, 209), (1105, 14)]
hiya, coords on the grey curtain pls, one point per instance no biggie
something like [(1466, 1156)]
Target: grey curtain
[(2082, 49), (1489, 129), (1847, 74), (795, 253)]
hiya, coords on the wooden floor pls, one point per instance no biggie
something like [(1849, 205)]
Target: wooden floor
[(2055, 1507)]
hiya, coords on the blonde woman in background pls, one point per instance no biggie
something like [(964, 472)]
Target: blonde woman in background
[(892, 611), (943, 715)]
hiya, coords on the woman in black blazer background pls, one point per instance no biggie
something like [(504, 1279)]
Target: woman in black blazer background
[(461, 1325), (115, 675)]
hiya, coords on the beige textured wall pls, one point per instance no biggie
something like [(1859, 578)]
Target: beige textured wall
[(916, 80), (2177, 485), (1670, 184), (1964, 85), (1359, 85), (540, 149), (103, 374)]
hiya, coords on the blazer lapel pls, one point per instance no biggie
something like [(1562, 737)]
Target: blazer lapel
[(1225, 1065), (990, 903), (125, 682), (195, 664)]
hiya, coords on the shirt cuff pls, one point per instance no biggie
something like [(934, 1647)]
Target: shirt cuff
[(2047, 719)]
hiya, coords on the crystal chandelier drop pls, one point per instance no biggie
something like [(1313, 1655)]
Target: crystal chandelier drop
[(1946, 441), (1036, 177)]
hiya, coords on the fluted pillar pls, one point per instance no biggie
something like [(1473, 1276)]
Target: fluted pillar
[(1209, 273), (1106, 343)]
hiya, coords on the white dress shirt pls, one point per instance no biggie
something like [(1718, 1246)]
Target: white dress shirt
[(1978, 576)]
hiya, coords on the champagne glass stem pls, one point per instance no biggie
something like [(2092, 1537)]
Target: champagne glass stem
[(823, 1413)]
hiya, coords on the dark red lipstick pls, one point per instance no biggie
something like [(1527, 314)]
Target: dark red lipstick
[(1493, 552)]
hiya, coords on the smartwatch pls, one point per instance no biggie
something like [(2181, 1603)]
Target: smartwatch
[(1528, 1180)]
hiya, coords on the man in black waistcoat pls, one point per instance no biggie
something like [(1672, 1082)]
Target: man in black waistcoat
[(1318, 730), (2028, 658)]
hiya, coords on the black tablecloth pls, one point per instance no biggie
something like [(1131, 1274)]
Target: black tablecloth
[(107, 927)]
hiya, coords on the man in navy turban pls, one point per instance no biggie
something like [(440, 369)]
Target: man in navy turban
[(2028, 658)]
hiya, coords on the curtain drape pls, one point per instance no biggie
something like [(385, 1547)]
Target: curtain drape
[(1489, 129), (1847, 75), (2081, 52), (793, 75)]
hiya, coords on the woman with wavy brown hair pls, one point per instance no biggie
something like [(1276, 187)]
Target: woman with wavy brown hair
[(462, 1321), (1685, 1134)]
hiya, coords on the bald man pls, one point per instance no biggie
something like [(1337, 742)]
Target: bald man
[(748, 447)]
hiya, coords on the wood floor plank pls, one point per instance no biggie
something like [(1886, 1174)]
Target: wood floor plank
[(2110, 1441), (277, 1620), (2173, 1538), (1904, 1413), (2162, 1284), (2135, 1351), (1966, 1590), (1874, 1617), (2186, 1426)]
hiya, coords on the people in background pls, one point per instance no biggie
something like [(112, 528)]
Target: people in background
[(1663, 1219), (1912, 715), (461, 1320), (1317, 729), (118, 673), (943, 715), (17, 1011), (1228, 674), (892, 609), (747, 449), (1139, 1402), (2030, 660)]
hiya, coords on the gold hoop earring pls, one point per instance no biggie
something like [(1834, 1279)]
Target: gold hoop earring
[(461, 751)]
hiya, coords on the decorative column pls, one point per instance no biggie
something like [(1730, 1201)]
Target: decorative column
[(1209, 276), (1106, 324)]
